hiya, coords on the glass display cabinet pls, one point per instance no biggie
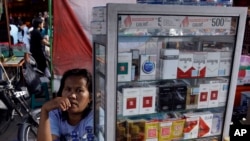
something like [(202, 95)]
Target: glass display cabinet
[(164, 72)]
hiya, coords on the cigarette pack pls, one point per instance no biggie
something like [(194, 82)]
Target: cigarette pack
[(185, 65), (212, 64), (147, 100), (169, 63), (204, 90), (147, 67), (199, 64), (131, 101), (124, 66)]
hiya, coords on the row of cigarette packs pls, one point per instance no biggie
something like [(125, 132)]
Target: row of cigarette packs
[(164, 98), (173, 64), (164, 128)]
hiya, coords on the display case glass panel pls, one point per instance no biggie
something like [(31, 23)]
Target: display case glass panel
[(168, 73)]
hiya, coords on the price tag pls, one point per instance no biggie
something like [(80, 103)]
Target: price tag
[(207, 22)]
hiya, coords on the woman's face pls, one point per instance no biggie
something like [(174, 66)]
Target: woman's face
[(76, 90)]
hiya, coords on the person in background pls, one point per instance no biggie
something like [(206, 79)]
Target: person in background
[(24, 36), (37, 45), (46, 22), (14, 31), (70, 113)]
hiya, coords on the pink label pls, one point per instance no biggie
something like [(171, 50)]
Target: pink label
[(152, 133)]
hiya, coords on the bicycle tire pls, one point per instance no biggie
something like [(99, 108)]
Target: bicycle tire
[(27, 132)]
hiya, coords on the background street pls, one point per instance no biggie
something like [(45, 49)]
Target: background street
[(11, 133)]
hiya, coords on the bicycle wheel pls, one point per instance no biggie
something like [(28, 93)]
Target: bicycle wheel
[(27, 132)]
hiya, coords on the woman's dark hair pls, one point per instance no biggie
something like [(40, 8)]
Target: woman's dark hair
[(37, 21), (81, 73)]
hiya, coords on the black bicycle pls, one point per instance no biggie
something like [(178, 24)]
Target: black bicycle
[(15, 100)]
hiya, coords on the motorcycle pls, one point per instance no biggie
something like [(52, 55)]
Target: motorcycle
[(13, 101)]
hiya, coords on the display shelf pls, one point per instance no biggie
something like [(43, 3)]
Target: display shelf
[(166, 68)]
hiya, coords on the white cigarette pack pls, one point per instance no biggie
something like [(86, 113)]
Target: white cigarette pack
[(225, 63), (168, 63), (223, 93), (217, 123), (147, 100), (212, 64), (130, 101)]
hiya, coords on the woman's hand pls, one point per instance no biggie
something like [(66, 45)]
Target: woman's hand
[(62, 103)]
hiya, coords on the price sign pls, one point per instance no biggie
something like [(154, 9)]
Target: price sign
[(207, 22)]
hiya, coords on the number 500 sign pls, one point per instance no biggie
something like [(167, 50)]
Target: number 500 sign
[(210, 22)]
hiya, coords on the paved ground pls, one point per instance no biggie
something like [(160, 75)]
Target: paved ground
[(11, 133)]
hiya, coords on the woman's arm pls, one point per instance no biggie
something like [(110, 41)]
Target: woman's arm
[(44, 131)]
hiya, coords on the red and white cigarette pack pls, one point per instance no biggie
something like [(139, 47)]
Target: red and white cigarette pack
[(204, 91), (213, 100), (199, 64), (130, 101), (147, 100), (191, 127), (185, 65), (205, 123)]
